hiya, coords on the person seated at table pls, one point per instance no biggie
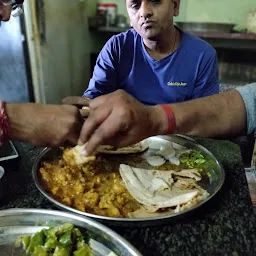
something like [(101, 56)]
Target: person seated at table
[(155, 62)]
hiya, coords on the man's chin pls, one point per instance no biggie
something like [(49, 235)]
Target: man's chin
[(149, 35)]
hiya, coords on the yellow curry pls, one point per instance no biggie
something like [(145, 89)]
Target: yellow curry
[(95, 187)]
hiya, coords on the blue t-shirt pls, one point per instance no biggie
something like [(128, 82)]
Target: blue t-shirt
[(189, 72)]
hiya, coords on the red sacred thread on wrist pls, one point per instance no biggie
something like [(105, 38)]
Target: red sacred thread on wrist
[(4, 123), (171, 121)]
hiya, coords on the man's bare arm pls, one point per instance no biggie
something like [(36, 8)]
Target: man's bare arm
[(214, 116), (43, 125)]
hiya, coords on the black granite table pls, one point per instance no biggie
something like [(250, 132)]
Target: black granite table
[(225, 226)]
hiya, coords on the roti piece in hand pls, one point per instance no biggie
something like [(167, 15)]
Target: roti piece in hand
[(136, 148), (74, 156)]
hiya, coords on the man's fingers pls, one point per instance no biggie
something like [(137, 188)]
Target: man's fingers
[(99, 101), (76, 101), (74, 132), (92, 123), (108, 129)]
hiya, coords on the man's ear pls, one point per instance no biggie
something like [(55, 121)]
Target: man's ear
[(176, 4)]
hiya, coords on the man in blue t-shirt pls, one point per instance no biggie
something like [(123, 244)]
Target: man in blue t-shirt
[(155, 62)]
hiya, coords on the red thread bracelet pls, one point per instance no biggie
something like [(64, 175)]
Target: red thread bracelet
[(171, 121), (4, 124)]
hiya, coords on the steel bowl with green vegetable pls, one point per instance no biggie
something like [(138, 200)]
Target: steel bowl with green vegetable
[(39, 232)]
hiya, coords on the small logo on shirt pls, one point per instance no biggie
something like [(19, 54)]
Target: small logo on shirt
[(176, 84)]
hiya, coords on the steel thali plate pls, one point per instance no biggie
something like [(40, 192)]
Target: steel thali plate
[(212, 184)]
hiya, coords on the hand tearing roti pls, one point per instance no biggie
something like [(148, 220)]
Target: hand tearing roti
[(135, 148), (75, 155)]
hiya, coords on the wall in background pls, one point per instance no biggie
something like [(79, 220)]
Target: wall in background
[(228, 11)]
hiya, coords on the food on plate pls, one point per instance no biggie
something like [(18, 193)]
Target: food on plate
[(174, 160), (174, 154), (155, 160), (133, 149), (192, 159), (155, 189), (166, 152), (62, 240), (95, 187), (74, 156), (163, 179)]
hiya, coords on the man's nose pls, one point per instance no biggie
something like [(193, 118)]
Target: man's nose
[(5, 12), (146, 10)]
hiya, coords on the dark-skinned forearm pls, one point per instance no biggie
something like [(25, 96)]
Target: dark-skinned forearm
[(214, 116)]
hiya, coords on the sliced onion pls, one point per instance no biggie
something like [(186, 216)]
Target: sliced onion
[(166, 152), (155, 160), (157, 143), (174, 160)]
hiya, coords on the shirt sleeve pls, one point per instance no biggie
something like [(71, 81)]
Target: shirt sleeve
[(248, 94), (104, 79), (208, 78)]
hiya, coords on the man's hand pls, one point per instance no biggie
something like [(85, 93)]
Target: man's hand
[(81, 102), (118, 119), (44, 125)]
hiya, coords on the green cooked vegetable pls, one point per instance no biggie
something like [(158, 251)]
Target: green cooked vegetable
[(66, 238), (63, 251), (25, 241), (36, 240), (85, 250), (63, 240), (39, 251), (193, 159)]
